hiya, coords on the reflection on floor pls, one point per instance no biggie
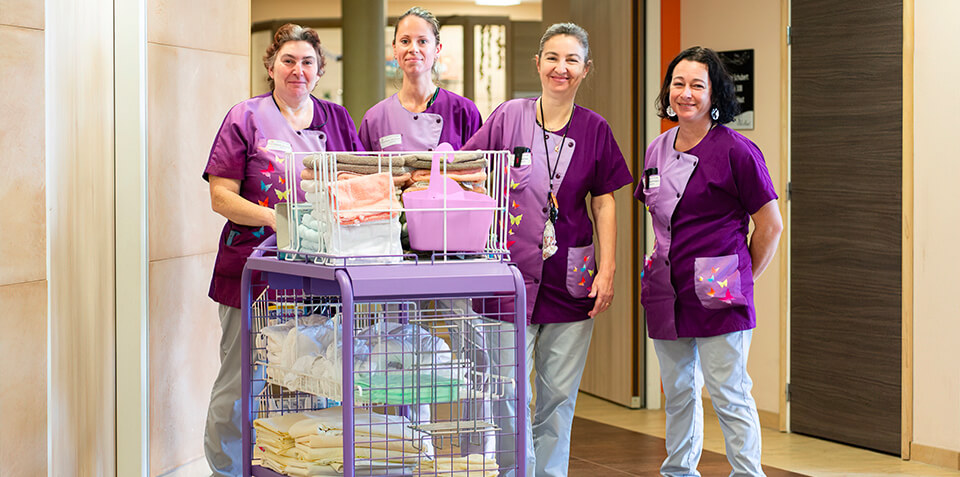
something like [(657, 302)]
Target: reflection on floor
[(599, 449), (789, 452)]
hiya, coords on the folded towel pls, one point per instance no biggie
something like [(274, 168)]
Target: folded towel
[(454, 166), (309, 247), (365, 169), (398, 180), (465, 175), (308, 234), (371, 160), (458, 157), (400, 174), (310, 185), (365, 199)]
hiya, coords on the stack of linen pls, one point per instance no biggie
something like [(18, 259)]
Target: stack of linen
[(352, 216), (467, 168), (346, 165), (311, 443)]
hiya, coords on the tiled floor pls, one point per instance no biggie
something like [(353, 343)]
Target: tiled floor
[(791, 452)]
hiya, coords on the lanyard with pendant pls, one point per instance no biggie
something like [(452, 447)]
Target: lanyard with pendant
[(549, 231)]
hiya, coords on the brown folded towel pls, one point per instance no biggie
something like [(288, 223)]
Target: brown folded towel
[(363, 160), (453, 166)]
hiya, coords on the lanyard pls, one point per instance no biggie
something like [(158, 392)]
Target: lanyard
[(432, 99), (551, 197)]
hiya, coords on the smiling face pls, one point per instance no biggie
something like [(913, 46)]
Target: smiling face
[(415, 46), (562, 65), (690, 90), (295, 69)]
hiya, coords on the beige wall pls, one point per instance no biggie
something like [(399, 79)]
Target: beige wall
[(198, 67), (936, 227), (753, 24), (267, 10), (23, 268)]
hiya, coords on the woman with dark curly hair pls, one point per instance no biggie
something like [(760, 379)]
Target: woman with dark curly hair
[(703, 183)]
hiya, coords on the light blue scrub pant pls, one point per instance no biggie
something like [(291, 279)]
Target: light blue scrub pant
[(221, 437), (720, 362), (558, 351)]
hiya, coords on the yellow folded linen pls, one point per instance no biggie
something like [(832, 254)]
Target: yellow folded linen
[(328, 455), (276, 448), (279, 424), (386, 468), (334, 438), (265, 436), (473, 464), (394, 427), (278, 462)]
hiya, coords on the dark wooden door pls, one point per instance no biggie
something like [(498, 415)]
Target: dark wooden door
[(846, 221)]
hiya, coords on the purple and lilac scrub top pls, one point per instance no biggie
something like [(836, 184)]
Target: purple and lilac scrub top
[(388, 126), (590, 162), (698, 282), (250, 147)]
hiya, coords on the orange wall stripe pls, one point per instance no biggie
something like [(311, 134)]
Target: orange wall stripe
[(669, 42)]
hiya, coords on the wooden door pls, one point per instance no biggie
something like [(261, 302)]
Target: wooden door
[(614, 368), (846, 158)]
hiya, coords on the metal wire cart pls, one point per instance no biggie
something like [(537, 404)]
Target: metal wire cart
[(392, 364)]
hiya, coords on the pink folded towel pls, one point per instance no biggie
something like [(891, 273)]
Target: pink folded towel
[(364, 198), (468, 175)]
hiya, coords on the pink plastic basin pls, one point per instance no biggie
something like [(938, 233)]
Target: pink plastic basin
[(466, 230)]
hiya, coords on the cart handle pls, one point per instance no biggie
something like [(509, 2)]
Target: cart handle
[(259, 250)]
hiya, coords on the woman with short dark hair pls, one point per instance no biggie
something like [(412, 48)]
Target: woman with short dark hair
[(703, 183)]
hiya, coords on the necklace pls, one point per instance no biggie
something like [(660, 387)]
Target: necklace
[(551, 197)]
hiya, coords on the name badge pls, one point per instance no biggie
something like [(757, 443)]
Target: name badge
[(278, 145), (653, 181), (526, 159), (391, 140)]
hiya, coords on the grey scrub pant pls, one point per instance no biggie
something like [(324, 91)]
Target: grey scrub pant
[(558, 351), (221, 438), (720, 362)]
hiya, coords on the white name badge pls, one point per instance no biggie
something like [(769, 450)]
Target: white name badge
[(654, 181), (526, 159), (391, 140), (278, 145)]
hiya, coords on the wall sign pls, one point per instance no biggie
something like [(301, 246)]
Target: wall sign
[(740, 65)]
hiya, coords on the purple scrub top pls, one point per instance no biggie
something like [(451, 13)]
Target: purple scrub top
[(698, 282), (250, 148), (388, 126), (590, 163)]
